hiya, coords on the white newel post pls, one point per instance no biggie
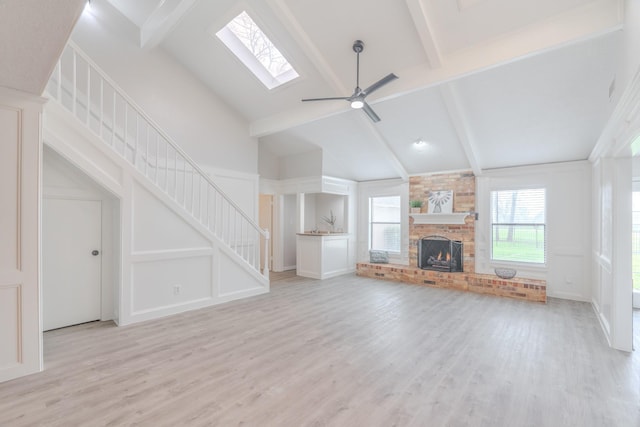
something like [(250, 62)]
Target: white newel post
[(265, 272)]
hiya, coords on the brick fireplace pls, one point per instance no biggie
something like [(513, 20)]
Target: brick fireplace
[(463, 186)]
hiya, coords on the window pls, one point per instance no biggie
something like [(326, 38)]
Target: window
[(384, 220), (247, 41), (635, 240), (518, 226)]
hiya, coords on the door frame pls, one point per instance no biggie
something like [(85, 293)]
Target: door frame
[(67, 209), (87, 188)]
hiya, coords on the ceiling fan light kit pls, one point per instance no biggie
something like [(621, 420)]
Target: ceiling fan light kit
[(357, 99)]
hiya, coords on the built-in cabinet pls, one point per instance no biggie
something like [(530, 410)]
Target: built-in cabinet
[(321, 256)]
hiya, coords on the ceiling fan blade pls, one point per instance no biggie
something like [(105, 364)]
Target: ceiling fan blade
[(326, 99), (372, 114), (377, 85)]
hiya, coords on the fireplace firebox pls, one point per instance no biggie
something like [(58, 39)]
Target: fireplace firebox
[(440, 254)]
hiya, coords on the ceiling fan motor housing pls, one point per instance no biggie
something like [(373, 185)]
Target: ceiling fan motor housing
[(358, 46)]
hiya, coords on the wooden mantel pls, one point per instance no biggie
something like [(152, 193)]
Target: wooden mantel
[(439, 218)]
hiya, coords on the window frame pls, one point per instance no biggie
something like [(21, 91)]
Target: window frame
[(371, 223), (525, 264), (246, 57)]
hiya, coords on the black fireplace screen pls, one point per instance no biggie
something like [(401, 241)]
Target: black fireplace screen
[(440, 254)]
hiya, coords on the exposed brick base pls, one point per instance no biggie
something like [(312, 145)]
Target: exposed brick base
[(524, 289)]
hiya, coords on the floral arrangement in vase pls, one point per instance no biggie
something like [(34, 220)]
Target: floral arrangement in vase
[(331, 220)]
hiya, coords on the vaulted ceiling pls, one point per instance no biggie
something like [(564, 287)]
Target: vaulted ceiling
[(486, 83), (32, 36)]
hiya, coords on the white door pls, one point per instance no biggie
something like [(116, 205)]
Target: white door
[(71, 262)]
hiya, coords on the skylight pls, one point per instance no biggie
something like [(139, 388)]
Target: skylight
[(247, 41)]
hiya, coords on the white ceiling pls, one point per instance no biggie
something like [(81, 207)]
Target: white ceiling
[(487, 83), (44, 27)]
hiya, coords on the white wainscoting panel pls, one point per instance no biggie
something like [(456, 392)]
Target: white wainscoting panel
[(20, 148), (10, 184), (233, 281), (170, 282), (10, 303)]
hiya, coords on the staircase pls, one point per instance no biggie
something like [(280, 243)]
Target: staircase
[(81, 88)]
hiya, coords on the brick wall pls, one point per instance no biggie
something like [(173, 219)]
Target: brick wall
[(463, 185)]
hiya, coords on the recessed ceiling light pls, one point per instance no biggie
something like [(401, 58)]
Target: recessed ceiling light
[(420, 143)]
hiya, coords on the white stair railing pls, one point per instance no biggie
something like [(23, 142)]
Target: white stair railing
[(83, 89)]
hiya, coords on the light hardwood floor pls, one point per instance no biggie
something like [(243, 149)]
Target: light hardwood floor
[(347, 351)]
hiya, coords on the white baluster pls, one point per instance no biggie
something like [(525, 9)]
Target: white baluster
[(60, 79), (88, 96), (136, 137), (146, 154), (101, 106), (113, 119), (73, 89), (184, 183), (265, 272), (175, 175), (166, 167), (125, 130)]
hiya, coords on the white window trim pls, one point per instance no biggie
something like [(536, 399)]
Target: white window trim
[(384, 188), (520, 264), (397, 253), (484, 187), (248, 59)]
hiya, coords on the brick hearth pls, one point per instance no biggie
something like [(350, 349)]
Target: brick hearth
[(519, 288)]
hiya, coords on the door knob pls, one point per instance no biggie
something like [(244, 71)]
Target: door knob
[(95, 252)]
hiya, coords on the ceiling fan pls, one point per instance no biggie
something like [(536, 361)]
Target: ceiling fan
[(357, 99)]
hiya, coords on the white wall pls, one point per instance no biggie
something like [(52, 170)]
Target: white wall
[(20, 149), (320, 205), (199, 121), (301, 165), (242, 188), (391, 187), (568, 192), (327, 203), (268, 164), (630, 60)]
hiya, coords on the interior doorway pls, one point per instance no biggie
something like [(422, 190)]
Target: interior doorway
[(635, 242), (79, 246), (265, 221), (71, 269)]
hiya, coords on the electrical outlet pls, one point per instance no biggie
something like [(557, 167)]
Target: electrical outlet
[(177, 289)]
